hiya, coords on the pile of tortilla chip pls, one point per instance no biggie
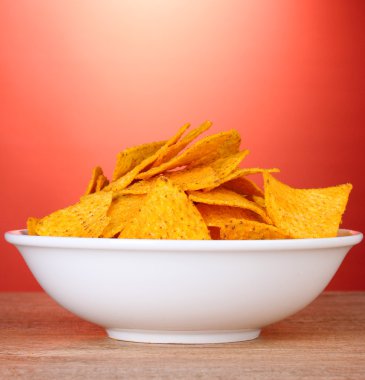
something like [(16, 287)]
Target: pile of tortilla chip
[(180, 189)]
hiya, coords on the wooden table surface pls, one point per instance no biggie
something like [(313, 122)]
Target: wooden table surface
[(40, 340)]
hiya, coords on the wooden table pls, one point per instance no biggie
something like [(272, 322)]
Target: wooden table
[(40, 340)]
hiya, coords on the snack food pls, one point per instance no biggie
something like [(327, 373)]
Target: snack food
[(167, 213), (87, 218), (305, 213), (173, 190)]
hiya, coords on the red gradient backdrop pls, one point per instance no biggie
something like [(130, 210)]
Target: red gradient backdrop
[(80, 80)]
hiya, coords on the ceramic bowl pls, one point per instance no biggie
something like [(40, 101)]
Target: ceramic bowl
[(180, 291)]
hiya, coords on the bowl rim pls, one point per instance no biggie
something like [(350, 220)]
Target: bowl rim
[(345, 238)]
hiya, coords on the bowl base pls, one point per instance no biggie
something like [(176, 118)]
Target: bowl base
[(183, 337)]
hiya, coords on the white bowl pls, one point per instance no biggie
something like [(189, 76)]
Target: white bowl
[(183, 291)]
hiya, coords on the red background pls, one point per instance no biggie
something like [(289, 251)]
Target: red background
[(80, 80)]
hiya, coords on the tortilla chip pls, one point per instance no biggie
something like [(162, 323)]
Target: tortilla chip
[(137, 188), (128, 178), (101, 182), (225, 168), (87, 218), (173, 150), (131, 157), (240, 172), (259, 200), (122, 210), (224, 197), (249, 171), (196, 178), (242, 229), (97, 171), (228, 147), (227, 165), (245, 186), (193, 179), (204, 151), (32, 225), (209, 176), (218, 216), (305, 213), (187, 179), (167, 213)]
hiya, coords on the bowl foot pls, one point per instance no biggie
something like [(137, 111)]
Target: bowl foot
[(183, 337)]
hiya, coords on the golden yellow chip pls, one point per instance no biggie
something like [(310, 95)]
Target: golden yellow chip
[(97, 171), (208, 176), (32, 225), (217, 216), (101, 182), (196, 178), (245, 186), (131, 157), (206, 150), (122, 210), (228, 147), (122, 182), (240, 172), (305, 213), (259, 200), (87, 218), (193, 179), (225, 168), (227, 165), (188, 179), (137, 188), (167, 213), (235, 174), (224, 197), (249, 171), (242, 229), (173, 150)]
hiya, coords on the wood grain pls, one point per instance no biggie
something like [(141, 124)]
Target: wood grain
[(40, 340)]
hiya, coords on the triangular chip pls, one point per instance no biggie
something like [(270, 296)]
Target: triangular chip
[(128, 178), (193, 179), (245, 186), (167, 213), (240, 172), (259, 200), (196, 178), (97, 171), (305, 213), (137, 188), (131, 157), (208, 176), (242, 229), (32, 225), (226, 167), (228, 147), (173, 150), (188, 179), (122, 210), (249, 171), (217, 216), (101, 182), (87, 218), (224, 197), (203, 151)]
